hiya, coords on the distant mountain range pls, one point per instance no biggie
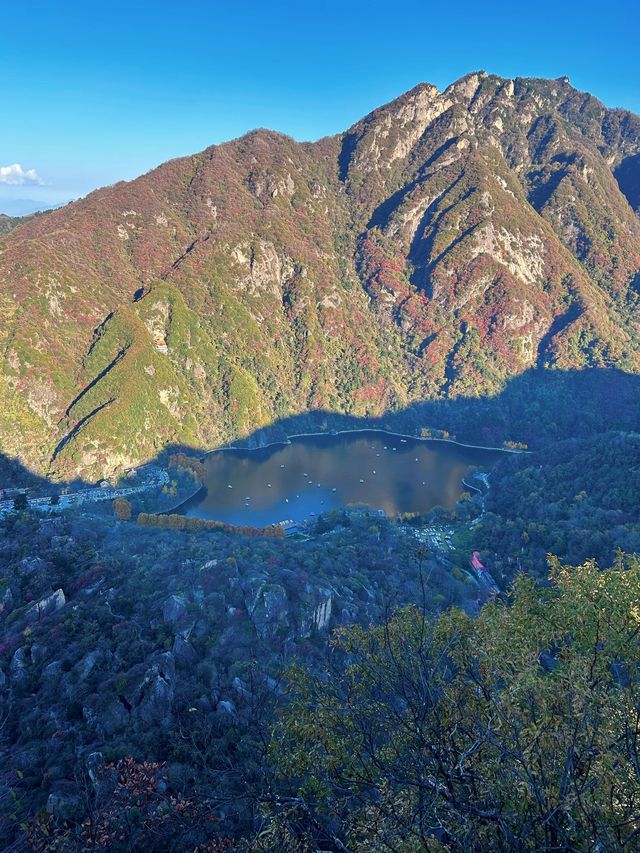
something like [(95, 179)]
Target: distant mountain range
[(17, 207), (446, 242)]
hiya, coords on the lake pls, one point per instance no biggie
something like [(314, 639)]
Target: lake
[(317, 473)]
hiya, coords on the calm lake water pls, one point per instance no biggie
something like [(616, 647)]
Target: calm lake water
[(314, 474)]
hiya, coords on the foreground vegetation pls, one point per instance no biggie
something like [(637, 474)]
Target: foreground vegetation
[(516, 730), (145, 705)]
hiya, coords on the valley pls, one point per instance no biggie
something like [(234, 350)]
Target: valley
[(320, 476)]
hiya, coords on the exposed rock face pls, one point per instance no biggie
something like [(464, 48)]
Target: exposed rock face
[(317, 613), (445, 243), (322, 614), (193, 641), (268, 608), (46, 606)]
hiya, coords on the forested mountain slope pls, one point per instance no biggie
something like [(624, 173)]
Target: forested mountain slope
[(446, 242)]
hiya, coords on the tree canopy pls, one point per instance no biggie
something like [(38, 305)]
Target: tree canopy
[(514, 730)]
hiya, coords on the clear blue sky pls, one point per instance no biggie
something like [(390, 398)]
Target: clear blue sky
[(93, 92)]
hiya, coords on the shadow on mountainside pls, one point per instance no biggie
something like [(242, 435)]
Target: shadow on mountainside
[(536, 408)]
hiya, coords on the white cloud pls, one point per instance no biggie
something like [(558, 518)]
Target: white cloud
[(16, 176)]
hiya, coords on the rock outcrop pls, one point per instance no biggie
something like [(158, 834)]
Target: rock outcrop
[(46, 606)]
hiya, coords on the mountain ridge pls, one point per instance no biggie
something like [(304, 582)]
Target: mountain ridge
[(443, 243)]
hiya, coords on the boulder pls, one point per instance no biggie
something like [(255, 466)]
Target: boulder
[(52, 672), (38, 653), (175, 607), (94, 762), (184, 652), (31, 565), (6, 601), (18, 665), (114, 718), (28, 758), (227, 708), (166, 664), (242, 689), (64, 805), (157, 698), (85, 666)]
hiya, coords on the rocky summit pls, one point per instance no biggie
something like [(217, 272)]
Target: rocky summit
[(445, 243)]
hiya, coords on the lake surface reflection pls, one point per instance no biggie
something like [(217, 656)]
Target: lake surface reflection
[(314, 474)]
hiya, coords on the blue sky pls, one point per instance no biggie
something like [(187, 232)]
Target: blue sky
[(97, 92)]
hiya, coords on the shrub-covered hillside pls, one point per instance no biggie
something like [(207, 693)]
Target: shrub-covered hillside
[(168, 647), (444, 244), (176, 691)]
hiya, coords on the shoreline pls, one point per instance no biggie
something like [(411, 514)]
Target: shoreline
[(177, 506), (288, 441), (284, 443)]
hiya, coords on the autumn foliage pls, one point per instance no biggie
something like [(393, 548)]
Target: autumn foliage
[(130, 808), (189, 463), (194, 525), (122, 509)]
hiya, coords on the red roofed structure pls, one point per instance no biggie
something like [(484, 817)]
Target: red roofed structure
[(475, 562)]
